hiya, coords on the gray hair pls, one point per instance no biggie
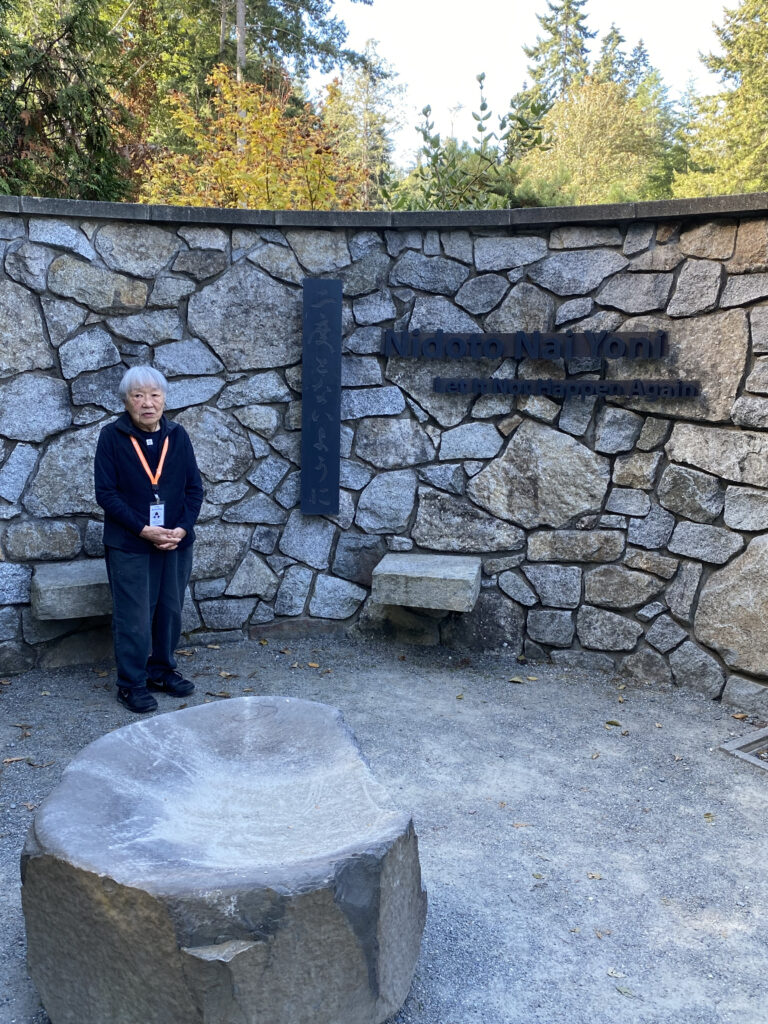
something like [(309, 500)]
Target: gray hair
[(142, 377)]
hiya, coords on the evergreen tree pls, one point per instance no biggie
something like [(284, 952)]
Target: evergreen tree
[(611, 65), (360, 112), (729, 142), (60, 125), (638, 66), (559, 57)]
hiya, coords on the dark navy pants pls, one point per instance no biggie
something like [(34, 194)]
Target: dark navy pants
[(147, 598)]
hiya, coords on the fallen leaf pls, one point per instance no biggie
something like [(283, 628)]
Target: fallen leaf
[(613, 973), (401, 657), (600, 934), (709, 818), (263, 642), (625, 991), (221, 693), (45, 693), (575, 930), (622, 686), (13, 760), (594, 875), (516, 679), (520, 824), (185, 652), (5, 682), (247, 689), (30, 806), (459, 696), (326, 672), (102, 674), (286, 650), (595, 756), (537, 874), (228, 675), (312, 664), (532, 678), (45, 764), (612, 721), (502, 803), (625, 732), (740, 716), (678, 757), (214, 647), (658, 725), (295, 664), (621, 700)]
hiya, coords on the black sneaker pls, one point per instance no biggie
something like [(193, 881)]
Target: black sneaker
[(174, 684), (136, 698)]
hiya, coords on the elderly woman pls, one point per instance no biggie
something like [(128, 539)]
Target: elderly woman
[(149, 486)]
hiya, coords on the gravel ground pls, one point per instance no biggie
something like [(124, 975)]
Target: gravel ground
[(577, 871)]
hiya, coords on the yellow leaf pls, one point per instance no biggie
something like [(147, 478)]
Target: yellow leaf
[(709, 818), (214, 647), (227, 675), (595, 756), (263, 642), (740, 716), (537, 874), (520, 824), (532, 678), (459, 696), (612, 721), (45, 693), (312, 664), (516, 679)]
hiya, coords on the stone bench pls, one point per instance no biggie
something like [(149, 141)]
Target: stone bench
[(441, 582), (231, 863), (70, 590)]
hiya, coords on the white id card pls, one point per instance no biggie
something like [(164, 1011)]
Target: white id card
[(157, 514)]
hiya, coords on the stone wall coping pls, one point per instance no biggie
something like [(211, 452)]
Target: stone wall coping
[(527, 217)]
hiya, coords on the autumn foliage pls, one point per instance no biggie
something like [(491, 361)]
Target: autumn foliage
[(251, 148)]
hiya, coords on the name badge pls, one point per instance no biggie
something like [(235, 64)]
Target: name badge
[(157, 514)]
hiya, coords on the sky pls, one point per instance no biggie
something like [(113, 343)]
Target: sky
[(438, 47)]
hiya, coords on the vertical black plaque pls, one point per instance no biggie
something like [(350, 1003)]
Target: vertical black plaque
[(321, 397)]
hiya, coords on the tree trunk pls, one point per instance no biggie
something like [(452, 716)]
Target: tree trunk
[(223, 25), (240, 28)]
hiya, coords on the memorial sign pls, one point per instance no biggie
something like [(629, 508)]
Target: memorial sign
[(321, 397)]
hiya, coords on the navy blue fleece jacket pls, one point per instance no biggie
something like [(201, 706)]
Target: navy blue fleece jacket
[(123, 488)]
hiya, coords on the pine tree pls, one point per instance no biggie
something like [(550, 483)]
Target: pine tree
[(360, 112), (638, 66), (560, 57), (729, 144), (611, 65)]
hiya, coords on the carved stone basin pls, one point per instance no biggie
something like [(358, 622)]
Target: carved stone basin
[(232, 863)]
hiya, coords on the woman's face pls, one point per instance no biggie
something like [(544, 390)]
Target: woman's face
[(145, 406)]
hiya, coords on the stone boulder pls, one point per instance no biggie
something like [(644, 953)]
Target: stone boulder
[(242, 859), (250, 320), (732, 613), (710, 349), (446, 523), (543, 478)]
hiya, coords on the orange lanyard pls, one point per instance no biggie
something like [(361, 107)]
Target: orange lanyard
[(153, 477)]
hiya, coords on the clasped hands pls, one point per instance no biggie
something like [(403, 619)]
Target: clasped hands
[(164, 540)]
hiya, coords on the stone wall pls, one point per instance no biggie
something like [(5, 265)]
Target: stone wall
[(626, 534)]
